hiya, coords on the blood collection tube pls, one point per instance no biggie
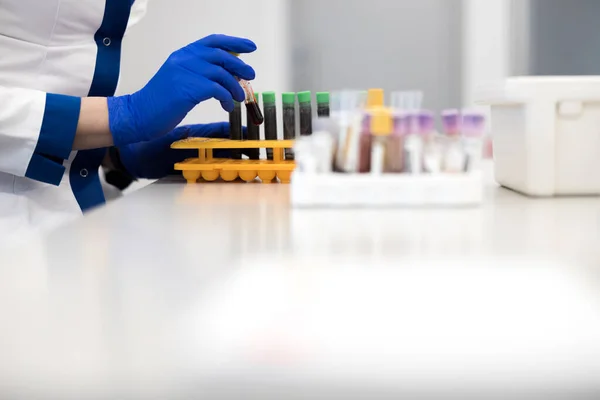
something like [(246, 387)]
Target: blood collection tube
[(255, 115), (413, 146), (323, 104), (381, 126), (473, 132), (252, 108), (235, 129), (350, 118), (289, 120), (253, 133), (307, 161), (451, 119), (270, 108), (374, 102), (432, 157), (365, 145), (395, 153), (305, 105), (454, 157), (325, 146)]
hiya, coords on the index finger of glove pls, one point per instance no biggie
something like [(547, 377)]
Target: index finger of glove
[(227, 43), (231, 63)]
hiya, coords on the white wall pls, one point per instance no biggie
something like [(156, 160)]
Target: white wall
[(520, 44), (392, 44), (486, 44)]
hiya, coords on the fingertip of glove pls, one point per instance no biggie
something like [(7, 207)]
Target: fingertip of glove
[(250, 45), (239, 96), (227, 106), (248, 73)]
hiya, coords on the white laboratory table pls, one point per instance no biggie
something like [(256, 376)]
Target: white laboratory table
[(221, 291)]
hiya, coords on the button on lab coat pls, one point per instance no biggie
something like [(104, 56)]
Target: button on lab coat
[(52, 53)]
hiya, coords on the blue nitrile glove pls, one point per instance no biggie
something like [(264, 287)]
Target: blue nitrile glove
[(200, 71), (155, 159)]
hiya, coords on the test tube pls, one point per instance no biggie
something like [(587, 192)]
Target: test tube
[(350, 122), (395, 161), (253, 133), (323, 104), (452, 122), (413, 145), (432, 158), (375, 101), (330, 128), (365, 145), (289, 120), (235, 129), (252, 108), (270, 108), (381, 125), (407, 100), (323, 148), (307, 161), (408, 104), (454, 157), (335, 104), (305, 105), (473, 130)]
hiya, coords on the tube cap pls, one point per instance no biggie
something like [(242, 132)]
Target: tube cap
[(381, 122), (451, 120), (268, 97), (375, 98), (304, 97), (473, 124), (288, 98), (322, 97), (426, 122)]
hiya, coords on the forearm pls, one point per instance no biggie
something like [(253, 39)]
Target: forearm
[(93, 130)]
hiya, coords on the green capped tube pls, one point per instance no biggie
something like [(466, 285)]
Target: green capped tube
[(270, 110)]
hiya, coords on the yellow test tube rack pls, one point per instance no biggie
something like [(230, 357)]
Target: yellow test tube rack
[(210, 169)]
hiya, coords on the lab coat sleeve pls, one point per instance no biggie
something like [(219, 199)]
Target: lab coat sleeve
[(37, 131), (138, 11)]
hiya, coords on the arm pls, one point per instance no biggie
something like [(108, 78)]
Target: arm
[(92, 129), (39, 130)]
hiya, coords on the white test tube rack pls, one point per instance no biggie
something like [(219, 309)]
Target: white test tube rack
[(337, 190)]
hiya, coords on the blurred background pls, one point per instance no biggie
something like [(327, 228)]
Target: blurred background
[(444, 47)]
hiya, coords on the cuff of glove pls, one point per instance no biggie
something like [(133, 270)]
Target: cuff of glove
[(121, 121)]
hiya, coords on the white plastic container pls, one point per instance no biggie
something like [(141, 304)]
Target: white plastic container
[(546, 133)]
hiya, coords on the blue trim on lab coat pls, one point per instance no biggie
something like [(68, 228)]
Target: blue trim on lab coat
[(86, 186), (55, 140)]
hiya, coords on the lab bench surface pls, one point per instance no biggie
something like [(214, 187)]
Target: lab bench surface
[(221, 291)]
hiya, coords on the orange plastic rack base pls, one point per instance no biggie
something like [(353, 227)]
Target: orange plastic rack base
[(210, 169)]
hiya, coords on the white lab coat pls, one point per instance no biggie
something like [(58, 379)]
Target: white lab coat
[(52, 52)]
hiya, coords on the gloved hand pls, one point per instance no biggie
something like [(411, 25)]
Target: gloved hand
[(202, 70), (155, 159)]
